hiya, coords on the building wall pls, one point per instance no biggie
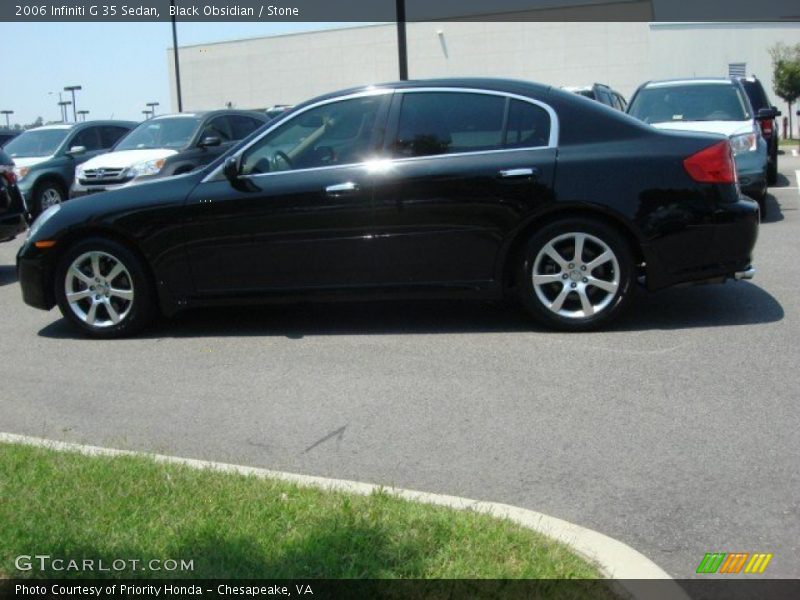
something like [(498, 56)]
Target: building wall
[(287, 69)]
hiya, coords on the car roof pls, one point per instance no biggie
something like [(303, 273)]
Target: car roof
[(204, 114), (83, 124), (690, 81)]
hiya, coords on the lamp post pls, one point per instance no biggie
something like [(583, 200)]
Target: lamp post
[(64, 104), (6, 113), (152, 106), (147, 114), (402, 49), (177, 61), (83, 114), (73, 89)]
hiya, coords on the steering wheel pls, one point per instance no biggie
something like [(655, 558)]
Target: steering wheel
[(280, 154)]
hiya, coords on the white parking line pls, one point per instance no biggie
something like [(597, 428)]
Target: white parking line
[(797, 176)]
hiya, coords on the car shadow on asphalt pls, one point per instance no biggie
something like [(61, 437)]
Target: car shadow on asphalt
[(8, 275), (774, 210), (682, 308)]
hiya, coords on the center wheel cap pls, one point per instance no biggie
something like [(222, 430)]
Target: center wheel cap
[(575, 275)]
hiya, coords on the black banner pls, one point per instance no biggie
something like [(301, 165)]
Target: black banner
[(735, 588), (386, 10)]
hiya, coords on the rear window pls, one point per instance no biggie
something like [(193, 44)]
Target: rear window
[(690, 102), (756, 94)]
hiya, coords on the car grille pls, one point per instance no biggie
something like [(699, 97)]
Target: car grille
[(97, 176)]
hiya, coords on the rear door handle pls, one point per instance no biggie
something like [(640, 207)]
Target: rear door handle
[(522, 172), (341, 188)]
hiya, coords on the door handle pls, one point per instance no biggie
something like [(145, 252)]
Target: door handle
[(522, 172), (341, 188)]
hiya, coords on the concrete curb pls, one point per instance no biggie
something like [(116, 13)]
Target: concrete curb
[(615, 559)]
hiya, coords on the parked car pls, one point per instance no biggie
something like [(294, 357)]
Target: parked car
[(6, 135), (45, 157), (713, 105), (766, 115), (12, 205), (164, 146), (470, 188), (277, 110), (601, 93)]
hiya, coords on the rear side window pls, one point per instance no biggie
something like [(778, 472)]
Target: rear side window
[(110, 135), (756, 95), (242, 126), (433, 123)]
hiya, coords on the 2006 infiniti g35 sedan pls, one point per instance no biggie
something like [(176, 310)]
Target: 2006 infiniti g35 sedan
[(461, 188)]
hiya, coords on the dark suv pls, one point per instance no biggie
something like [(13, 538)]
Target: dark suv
[(12, 205), (766, 115), (602, 94)]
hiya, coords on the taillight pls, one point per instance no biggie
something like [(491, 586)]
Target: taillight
[(712, 165), (766, 126), (8, 175)]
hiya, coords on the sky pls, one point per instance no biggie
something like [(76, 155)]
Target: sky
[(121, 66)]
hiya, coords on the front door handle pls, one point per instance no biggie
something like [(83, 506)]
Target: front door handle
[(522, 172), (341, 188)]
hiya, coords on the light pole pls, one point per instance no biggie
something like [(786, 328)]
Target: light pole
[(147, 114), (64, 104), (6, 113), (402, 49), (73, 88), (83, 114), (177, 61), (152, 106)]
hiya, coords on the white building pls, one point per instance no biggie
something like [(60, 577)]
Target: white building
[(287, 69)]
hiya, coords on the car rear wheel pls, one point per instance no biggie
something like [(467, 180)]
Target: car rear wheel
[(103, 288), (575, 274), (772, 169)]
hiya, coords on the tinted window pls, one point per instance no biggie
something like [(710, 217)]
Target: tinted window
[(338, 133), (690, 102), (168, 132), (528, 125), (111, 134), (41, 142), (89, 138), (447, 122), (756, 94), (243, 126), (604, 97), (217, 127)]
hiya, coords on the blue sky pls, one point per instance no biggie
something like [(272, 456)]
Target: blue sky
[(121, 66)]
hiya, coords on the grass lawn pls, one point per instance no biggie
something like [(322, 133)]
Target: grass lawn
[(782, 142), (231, 526)]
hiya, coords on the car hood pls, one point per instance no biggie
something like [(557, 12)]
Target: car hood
[(126, 158), (30, 160), (728, 128)]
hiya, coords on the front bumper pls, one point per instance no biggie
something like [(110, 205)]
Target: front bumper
[(34, 273)]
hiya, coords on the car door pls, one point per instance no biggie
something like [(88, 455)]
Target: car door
[(90, 139), (299, 216), (464, 166)]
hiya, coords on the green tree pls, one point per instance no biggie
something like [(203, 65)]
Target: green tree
[(786, 75)]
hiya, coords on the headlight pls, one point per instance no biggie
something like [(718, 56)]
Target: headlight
[(79, 172), (149, 167), (20, 172), (747, 142), (42, 219)]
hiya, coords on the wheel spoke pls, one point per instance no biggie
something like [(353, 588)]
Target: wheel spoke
[(606, 286), (553, 253), (112, 312), (75, 296), (96, 265), (91, 316), (580, 238), (605, 257), (76, 272), (559, 301), (545, 279), (586, 304), (123, 294), (115, 272)]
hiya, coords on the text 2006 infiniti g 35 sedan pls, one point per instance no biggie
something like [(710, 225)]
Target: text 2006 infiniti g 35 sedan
[(462, 188)]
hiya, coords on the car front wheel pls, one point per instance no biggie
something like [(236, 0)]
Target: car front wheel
[(575, 274), (103, 288)]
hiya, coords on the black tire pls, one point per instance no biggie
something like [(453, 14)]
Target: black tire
[(605, 304), (772, 168), (135, 278), (43, 189)]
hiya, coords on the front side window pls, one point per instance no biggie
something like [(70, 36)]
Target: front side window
[(433, 123), (337, 133), (110, 135), (168, 132), (218, 128), (88, 138)]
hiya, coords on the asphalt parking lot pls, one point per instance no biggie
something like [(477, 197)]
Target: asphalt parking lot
[(676, 431)]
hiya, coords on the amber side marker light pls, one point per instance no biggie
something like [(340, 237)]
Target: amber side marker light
[(45, 244)]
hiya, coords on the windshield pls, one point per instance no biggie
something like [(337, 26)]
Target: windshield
[(160, 133), (690, 102), (36, 142)]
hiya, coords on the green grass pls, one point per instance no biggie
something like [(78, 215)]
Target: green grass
[(782, 142), (232, 526)]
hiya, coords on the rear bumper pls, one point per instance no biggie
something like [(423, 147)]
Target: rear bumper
[(11, 226)]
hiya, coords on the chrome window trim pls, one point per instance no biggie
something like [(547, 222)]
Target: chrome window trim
[(552, 140)]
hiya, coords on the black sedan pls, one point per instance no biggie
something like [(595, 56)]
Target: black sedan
[(471, 188)]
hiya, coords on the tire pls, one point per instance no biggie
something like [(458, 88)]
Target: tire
[(100, 312), (45, 194), (564, 297), (772, 167)]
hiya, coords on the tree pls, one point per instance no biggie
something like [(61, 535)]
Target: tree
[(786, 75)]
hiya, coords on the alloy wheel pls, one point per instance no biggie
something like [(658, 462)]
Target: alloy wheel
[(50, 197), (99, 289)]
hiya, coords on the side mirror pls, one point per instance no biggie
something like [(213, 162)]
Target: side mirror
[(76, 150), (232, 169), (767, 113), (210, 140)]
